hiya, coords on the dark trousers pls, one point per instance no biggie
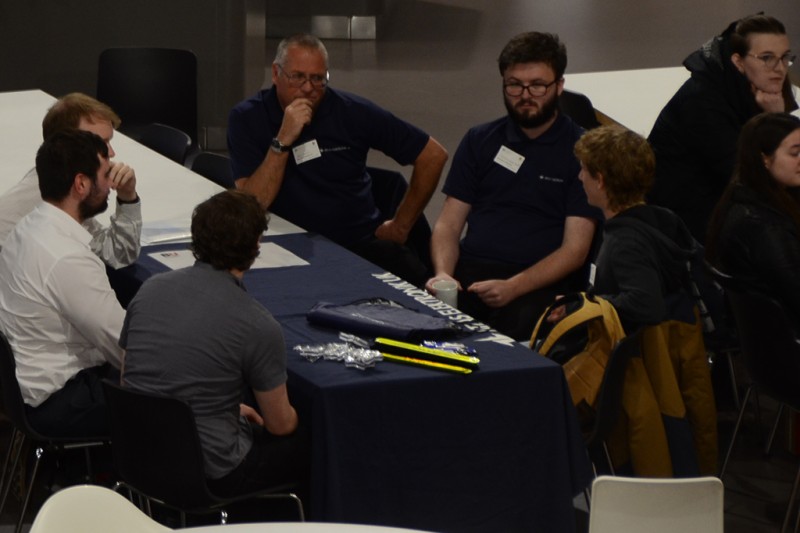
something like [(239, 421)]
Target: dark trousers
[(518, 318), (398, 259), (78, 409), (272, 461)]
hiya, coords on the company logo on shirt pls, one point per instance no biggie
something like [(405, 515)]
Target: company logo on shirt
[(335, 149), (550, 178)]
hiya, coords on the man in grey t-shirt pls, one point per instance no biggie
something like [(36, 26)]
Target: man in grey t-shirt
[(196, 334)]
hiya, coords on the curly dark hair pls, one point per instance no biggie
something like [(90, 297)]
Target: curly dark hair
[(63, 156), (534, 47), (226, 230)]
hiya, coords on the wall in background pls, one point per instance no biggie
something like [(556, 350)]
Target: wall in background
[(54, 46)]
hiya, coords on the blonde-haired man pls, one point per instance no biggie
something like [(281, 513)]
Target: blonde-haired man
[(118, 244)]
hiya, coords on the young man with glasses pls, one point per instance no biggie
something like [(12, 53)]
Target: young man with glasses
[(734, 77), (514, 185), (301, 148)]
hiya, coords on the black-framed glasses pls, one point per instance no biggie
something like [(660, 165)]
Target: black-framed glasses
[(297, 80), (515, 88), (771, 60)]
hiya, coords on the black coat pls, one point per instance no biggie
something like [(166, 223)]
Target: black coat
[(642, 260), (695, 135), (760, 244)]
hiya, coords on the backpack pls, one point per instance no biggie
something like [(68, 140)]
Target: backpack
[(581, 342)]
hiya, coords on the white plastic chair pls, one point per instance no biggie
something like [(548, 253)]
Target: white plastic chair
[(92, 509), (686, 505)]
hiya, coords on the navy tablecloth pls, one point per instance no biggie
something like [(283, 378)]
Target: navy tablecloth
[(497, 450)]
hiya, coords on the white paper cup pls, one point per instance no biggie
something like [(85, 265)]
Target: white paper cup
[(447, 291)]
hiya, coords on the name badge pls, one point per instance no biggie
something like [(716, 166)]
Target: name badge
[(306, 152), (509, 159)]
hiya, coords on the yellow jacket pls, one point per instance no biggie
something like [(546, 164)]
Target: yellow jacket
[(668, 406)]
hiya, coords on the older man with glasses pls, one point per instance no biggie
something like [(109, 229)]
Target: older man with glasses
[(514, 185), (301, 148)]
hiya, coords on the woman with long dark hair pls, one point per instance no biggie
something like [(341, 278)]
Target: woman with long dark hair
[(754, 233)]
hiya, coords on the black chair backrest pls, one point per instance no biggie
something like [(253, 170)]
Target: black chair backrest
[(156, 447), (388, 189), (579, 108), (166, 140), (146, 85), (771, 349), (609, 398), (215, 167), (13, 404)]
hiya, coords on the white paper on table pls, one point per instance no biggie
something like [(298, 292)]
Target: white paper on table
[(166, 231), (272, 256)]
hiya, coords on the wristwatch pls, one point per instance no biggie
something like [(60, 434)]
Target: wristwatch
[(278, 147)]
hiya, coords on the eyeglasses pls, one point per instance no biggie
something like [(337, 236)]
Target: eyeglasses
[(771, 60), (297, 80), (516, 88)]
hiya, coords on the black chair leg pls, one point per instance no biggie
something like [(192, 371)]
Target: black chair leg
[(300, 513), (11, 471), (734, 385), (791, 505), (768, 447), (735, 431), (608, 459), (38, 453), (7, 477)]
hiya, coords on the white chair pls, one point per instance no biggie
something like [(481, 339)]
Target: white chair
[(92, 509), (686, 505)]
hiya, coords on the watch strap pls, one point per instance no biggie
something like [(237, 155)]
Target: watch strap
[(278, 147)]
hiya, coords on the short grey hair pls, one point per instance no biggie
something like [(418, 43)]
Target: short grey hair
[(304, 40)]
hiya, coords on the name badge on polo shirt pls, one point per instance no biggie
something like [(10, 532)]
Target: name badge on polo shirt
[(509, 159), (306, 152)]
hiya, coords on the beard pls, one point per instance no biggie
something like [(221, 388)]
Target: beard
[(92, 205), (527, 119)]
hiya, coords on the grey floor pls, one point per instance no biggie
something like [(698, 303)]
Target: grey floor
[(434, 64)]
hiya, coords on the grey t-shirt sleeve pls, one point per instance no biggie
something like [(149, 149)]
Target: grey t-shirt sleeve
[(264, 363)]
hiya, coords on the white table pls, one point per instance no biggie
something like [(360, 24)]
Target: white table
[(634, 98), (169, 191)]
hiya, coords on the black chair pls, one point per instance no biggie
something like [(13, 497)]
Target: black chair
[(14, 408), (609, 398), (157, 454), (579, 108), (215, 167), (722, 341), (146, 85), (166, 140), (771, 355), (388, 189)]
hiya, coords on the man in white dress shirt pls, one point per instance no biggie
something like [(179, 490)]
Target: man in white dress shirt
[(59, 312), (118, 244)]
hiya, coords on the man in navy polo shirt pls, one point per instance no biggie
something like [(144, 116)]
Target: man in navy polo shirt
[(514, 183), (301, 148)]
